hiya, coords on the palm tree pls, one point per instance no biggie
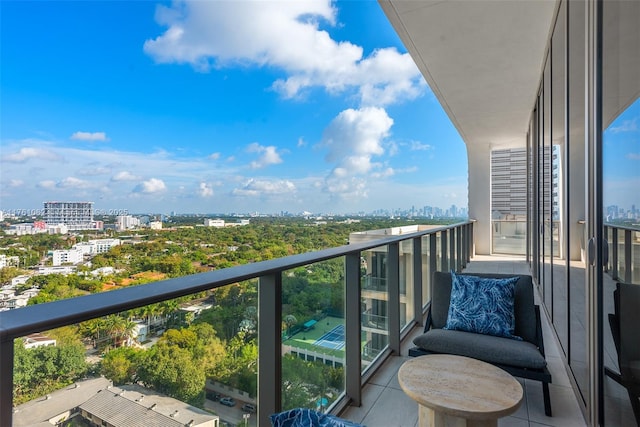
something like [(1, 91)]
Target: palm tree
[(119, 329), (290, 320)]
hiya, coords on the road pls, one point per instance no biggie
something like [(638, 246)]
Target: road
[(230, 415)]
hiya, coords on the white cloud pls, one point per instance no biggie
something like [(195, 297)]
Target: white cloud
[(354, 137), (94, 171), (14, 183), (205, 190), (217, 34), (388, 76), (47, 184), (625, 126), (89, 136), (268, 155), (31, 153), (419, 146), (301, 142), (260, 187), (214, 156), (633, 156), (151, 186), (124, 176), (386, 173), (346, 188), (72, 182)]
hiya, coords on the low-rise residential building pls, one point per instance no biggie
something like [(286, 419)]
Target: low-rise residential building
[(38, 340), (97, 246), (214, 222), (100, 403), (9, 261), (6, 295), (16, 302), (59, 269), (66, 256), (19, 280), (23, 229)]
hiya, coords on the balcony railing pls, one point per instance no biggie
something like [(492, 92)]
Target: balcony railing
[(509, 236), (426, 252), (624, 253)]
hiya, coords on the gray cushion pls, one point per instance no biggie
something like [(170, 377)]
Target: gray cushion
[(488, 348), (523, 309)]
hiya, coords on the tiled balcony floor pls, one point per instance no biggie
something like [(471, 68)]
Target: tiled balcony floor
[(384, 404)]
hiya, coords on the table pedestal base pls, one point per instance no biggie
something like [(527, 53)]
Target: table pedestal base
[(429, 418)]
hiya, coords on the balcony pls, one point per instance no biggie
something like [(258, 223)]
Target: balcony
[(385, 404), (370, 357)]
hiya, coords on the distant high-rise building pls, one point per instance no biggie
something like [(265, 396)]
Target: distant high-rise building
[(125, 222), (509, 182), (75, 215)]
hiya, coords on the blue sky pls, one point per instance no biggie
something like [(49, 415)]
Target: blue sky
[(219, 107), (231, 106)]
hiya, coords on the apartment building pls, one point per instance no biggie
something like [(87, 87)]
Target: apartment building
[(126, 222), (75, 215), (96, 246), (66, 256)]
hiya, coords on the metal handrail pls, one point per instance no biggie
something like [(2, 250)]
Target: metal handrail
[(36, 318)]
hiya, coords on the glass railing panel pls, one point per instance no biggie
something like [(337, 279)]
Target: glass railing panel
[(374, 307), (622, 271), (313, 335), (406, 282), (555, 239), (234, 318), (509, 237), (194, 357)]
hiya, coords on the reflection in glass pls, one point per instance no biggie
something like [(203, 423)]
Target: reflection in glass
[(621, 154), (313, 335)]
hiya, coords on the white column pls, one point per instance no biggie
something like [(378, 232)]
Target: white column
[(479, 158)]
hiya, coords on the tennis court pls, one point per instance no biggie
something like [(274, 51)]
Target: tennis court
[(334, 339)]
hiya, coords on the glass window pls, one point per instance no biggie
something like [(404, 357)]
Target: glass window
[(621, 161)]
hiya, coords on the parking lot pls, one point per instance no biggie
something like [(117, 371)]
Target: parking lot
[(231, 415)]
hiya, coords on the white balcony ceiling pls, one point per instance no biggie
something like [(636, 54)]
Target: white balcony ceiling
[(482, 59)]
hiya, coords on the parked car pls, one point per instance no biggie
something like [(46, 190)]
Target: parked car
[(213, 396), (248, 407), (228, 401)]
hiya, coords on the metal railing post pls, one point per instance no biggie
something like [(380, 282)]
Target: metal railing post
[(417, 280), (269, 347), (605, 237), (444, 265), (393, 288), (353, 327), (471, 242), (433, 258), (452, 249), (6, 381), (459, 261), (628, 246), (614, 254)]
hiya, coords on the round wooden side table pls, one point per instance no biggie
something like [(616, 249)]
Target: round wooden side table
[(459, 391)]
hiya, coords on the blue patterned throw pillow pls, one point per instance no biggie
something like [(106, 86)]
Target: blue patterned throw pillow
[(302, 417), (482, 305)]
